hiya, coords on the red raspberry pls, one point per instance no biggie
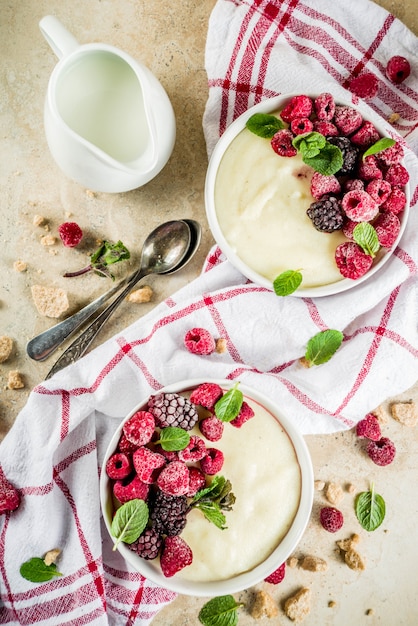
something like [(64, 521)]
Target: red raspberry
[(125, 491), (369, 428), (147, 463), (277, 576), (353, 183), (369, 168), (365, 136), (176, 554), (347, 119), (364, 86), (351, 260), (281, 143), (396, 201), (9, 496), (331, 519), (197, 481), (348, 228), (391, 155), (194, 451), (301, 125), (299, 106), (199, 341), (328, 129), (170, 455), (125, 446), (212, 428), (321, 185), (213, 461), (243, 416), (387, 227), (70, 233), (174, 479), (139, 428), (118, 466), (359, 206), (381, 452), (379, 190), (397, 69), (397, 174), (324, 106), (206, 395)]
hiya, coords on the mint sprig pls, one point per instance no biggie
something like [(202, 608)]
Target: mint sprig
[(173, 438), (318, 153), (322, 346), (37, 571), (379, 146), (370, 509), (107, 254), (220, 611), (264, 125), (129, 521), (214, 499), (229, 405), (287, 282), (365, 235)]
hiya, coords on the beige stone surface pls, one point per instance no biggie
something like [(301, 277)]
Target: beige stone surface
[(169, 37)]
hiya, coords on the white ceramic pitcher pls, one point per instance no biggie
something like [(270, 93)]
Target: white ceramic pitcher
[(109, 123)]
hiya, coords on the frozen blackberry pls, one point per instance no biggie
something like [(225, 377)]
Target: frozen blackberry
[(172, 409), (168, 513), (349, 151), (148, 545), (326, 214)]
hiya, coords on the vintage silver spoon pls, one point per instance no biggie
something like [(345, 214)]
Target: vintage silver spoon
[(167, 249)]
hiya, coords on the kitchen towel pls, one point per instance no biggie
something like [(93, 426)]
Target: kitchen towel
[(54, 451)]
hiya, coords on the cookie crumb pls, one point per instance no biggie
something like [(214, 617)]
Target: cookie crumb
[(48, 240), (6, 347), (292, 561), (334, 493), (350, 488), (393, 117), (354, 560), (15, 380), (38, 220), (314, 564), (263, 606), (51, 556), (319, 485), (304, 361), (349, 543), (141, 295), (370, 612), (220, 346), (20, 266), (405, 413), (381, 414), (50, 301), (298, 606), (332, 604), (90, 193)]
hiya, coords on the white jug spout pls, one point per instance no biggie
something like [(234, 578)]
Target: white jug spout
[(58, 37)]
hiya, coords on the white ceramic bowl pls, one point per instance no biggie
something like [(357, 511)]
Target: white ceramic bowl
[(272, 105), (152, 570)]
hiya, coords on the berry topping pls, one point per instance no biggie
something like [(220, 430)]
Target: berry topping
[(348, 228), (148, 545), (324, 107), (364, 86), (351, 260), (168, 513), (194, 451), (397, 174), (211, 428), (359, 206), (9, 496), (139, 428), (174, 478), (369, 168), (347, 119), (147, 464), (301, 125), (396, 201), (326, 214), (125, 491), (125, 446), (281, 143), (350, 154), (381, 452), (328, 129), (331, 519), (379, 190), (172, 409), (206, 395), (391, 155), (397, 69), (199, 341), (197, 481), (213, 461), (353, 183), (70, 234), (365, 136), (277, 576), (245, 414), (118, 466), (387, 226), (176, 555), (369, 427), (321, 185), (299, 106)]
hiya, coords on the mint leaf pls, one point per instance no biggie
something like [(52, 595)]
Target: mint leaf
[(228, 407), (309, 144), (173, 438), (287, 282), (129, 521), (328, 162), (107, 254), (264, 125), (220, 611), (37, 571), (365, 236), (322, 346), (370, 509), (214, 499), (379, 146)]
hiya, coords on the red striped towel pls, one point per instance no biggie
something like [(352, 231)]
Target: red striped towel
[(53, 452)]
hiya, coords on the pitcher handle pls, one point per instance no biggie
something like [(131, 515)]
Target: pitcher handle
[(58, 37)]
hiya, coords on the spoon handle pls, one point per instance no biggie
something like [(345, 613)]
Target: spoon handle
[(80, 345)]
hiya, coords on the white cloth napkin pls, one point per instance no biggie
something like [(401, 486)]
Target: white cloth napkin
[(55, 449)]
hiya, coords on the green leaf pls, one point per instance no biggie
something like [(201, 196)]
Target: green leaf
[(365, 236), (173, 438), (379, 146), (129, 521), (287, 282), (213, 514), (228, 407), (37, 571), (370, 509), (220, 611), (328, 162), (213, 499), (309, 144), (264, 125), (322, 346)]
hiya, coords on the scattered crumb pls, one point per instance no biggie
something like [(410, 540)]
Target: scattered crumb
[(319, 485), (381, 414), (370, 612), (15, 380), (405, 412), (90, 193), (48, 240), (50, 301), (304, 361), (6, 347), (20, 266), (350, 488), (334, 493), (354, 560), (348, 544), (331, 604), (263, 606), (298, 606), (220, 347), (143, 294), (51, 556), (393, 117), (314, 564), (68, 214), (38, 220), (53, 252), (293, 561)]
